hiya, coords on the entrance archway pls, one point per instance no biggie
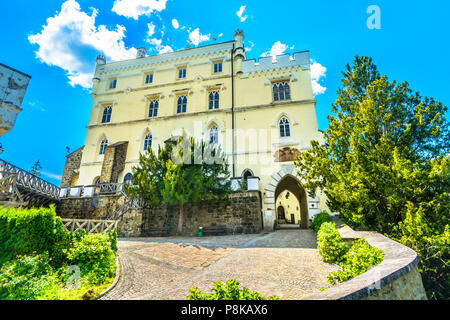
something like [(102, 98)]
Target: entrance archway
[(291, 184)]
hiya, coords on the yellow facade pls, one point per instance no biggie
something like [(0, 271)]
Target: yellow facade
[(247, 83)]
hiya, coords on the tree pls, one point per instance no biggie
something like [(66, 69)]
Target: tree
[(181, 173), (385, 166), (36, 168)]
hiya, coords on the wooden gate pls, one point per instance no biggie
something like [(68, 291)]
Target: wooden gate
[(90, 226)]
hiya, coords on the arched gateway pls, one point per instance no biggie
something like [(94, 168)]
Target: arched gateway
[(286, 179)]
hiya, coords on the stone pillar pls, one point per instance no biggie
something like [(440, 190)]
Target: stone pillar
[(71, 167)]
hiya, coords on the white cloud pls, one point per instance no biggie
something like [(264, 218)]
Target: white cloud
[(241, 12), (51, 175), (220, 35), (277, 49), (196, 37), (317, 72), (175, 23), (151, 29), (251, 47), (157, 43), (135, 8), (70, 40)]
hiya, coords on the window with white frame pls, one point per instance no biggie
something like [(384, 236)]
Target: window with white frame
[(112, 83), (153, 108), (281, 91), (107, 111), (181, 104), (181, 72), (285, 130), (148, 141), (148, 78), (103, 146), (213, 135), (213, 100), (218, 67)]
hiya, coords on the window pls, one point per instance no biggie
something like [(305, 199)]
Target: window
[(148, 78), (153, 108), (218, 67), (181, 104), (128, 179), (284, 128), (281, 91), (213, 100), (103, 146), (112, 83), (148, 142), (107, 114), (213, 135), (181, 73)]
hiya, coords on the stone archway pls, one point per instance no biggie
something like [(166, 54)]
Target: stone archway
[(286, 179)]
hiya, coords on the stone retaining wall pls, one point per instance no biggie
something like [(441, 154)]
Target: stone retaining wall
[(396, 278)]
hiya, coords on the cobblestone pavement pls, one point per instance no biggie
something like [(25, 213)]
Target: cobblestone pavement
[(284, 263)]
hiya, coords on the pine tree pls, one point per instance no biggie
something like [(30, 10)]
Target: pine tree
[(36, 168)]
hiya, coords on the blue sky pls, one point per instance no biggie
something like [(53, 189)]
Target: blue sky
[(59, 53)]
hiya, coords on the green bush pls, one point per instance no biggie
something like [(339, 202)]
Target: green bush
[(356, 261), (24, 232), (27, 278), (320, 218), (330, 244), (228, 291), (93, 255)]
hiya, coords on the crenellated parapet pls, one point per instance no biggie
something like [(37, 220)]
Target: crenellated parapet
[(280, 62)]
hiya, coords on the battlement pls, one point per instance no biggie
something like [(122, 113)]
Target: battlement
[(281, 61)]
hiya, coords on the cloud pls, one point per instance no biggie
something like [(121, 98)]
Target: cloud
[(241, 12), (277, 49), (196, 37), (151, 29), (71, 40), (251, 46), (51, 175), (317, 73), (135, 8), (175, 23), (157, 43)]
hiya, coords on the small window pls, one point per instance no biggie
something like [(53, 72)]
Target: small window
[(149, 78), (284, 128), (112, 83), (213, 100), (148, 142), (181, 104), (153, 109), (181, 73), (281, 91), (218, 67), (107, 114), (128, 179), (213, 135), (103, 146)]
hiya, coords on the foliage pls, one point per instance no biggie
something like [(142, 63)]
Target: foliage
[(227, 291), (180, 173), (385, 160), (94, 256), (36, 168), (112, 237), (330, 244), (320, 218), (359, 258)]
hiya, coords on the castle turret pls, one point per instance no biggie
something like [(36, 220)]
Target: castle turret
[(239, 50), (101, 60), (141, 53)]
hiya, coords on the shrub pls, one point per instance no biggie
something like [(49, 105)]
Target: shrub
[(320, 218), (356, 261), (228, 291), (24, 232), (330, 244), (94, 256), (27, 278)]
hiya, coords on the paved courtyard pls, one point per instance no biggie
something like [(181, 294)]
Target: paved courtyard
[(284, 263)]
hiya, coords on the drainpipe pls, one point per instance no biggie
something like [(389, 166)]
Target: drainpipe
[(232, 109)]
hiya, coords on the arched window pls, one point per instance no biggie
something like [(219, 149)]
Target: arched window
[(181, 104), (285, 130), (213, 135), (281, 91), (96, 181), (107, 114), (103, 146), (245, 175), (128, 179), (213, 100), (148, 142), (153, 108)]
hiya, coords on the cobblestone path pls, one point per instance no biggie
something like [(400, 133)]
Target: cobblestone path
[(284, 263)]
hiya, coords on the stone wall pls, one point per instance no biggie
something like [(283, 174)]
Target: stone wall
[(113, 162), (71, 167), (396, 277), (241, 213)]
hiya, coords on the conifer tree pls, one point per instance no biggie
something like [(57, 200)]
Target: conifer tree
[(36, 168)]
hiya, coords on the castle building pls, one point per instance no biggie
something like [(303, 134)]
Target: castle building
[(262, 113)]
